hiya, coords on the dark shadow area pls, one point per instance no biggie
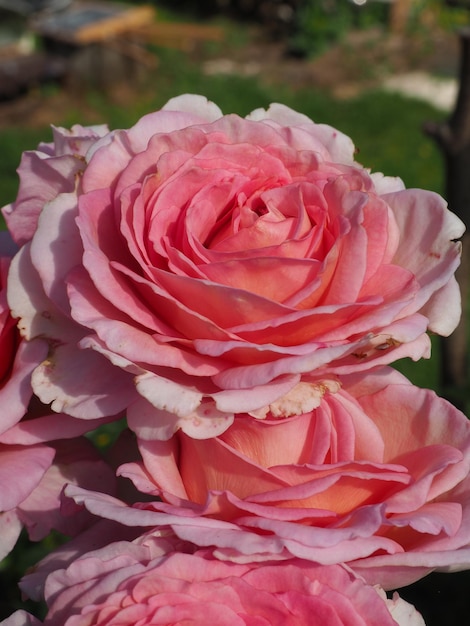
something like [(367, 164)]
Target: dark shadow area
[(442, 599)]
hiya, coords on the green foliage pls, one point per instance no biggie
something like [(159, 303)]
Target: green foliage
[(322, 22), (447, 17)]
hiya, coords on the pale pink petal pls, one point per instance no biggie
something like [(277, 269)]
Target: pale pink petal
[(76, 462), (402, 611), (21, 618), (82, 383), (432, 258), (56, 247), (21, 470), (194, 105), (256, 398), (50, 427), (167, 395), (338, 145), (16, 392), (386, 184), (39, 316), (10, 529), (42, 177), (445, 318)]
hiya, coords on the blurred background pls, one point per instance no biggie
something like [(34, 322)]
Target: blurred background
[(386, 72)]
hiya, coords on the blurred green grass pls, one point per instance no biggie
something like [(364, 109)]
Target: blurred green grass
[(385, 127)]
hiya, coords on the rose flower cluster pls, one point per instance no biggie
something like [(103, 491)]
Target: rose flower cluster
[(226, 295)]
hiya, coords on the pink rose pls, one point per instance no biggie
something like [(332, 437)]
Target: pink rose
[(213, 261), (377, 476), (148, 582)]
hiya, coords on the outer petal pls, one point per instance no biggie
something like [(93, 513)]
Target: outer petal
[(402, 612), (21, 618), (194, 105), (157, 578), (76, 462), (16, 392), (340, 147), (82, 383), (10, 529), (21, 470), (431, 258)]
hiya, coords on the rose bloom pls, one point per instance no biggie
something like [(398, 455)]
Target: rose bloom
[(148, 582), (198, 266), (377, 477)]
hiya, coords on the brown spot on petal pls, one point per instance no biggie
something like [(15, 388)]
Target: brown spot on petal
[(360, 355), (389, 343), (303, 398)]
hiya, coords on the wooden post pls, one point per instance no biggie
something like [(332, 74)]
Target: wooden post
[(453, 138), (399, 14)]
